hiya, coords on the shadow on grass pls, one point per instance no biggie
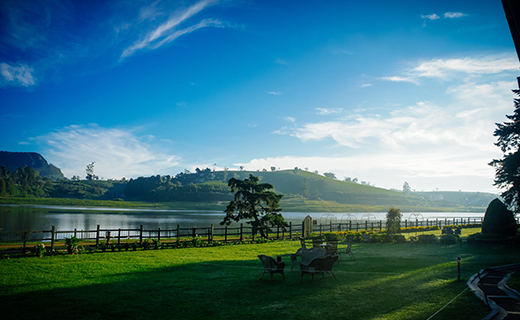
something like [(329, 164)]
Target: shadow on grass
[(385, 282)]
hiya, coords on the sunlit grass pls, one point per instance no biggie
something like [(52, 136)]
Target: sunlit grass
[(386, 281)]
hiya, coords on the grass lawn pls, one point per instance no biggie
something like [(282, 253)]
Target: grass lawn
[(386, 281)]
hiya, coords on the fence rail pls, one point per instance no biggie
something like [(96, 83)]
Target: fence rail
[(211, 233)]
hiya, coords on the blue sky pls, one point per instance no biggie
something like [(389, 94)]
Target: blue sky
[(382, 91)]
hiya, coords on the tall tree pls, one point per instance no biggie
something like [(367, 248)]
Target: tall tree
[(406, 188), (393, 220), (90, 172), (507, 169), (254, 201)]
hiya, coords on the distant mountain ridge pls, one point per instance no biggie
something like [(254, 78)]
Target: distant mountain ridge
[(14, 160)]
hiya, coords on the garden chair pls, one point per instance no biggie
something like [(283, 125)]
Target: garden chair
[(348, 250), (332, 247), (317, 242), (319, 266), (272, 266)]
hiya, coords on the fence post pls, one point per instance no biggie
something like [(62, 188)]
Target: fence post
[(140, 234), (241, 231), (53, 230), (225, 234), (158, 234), (290, 230), (24, 240), (75, 231), (350, 225), (119, 237), (97, 236), (366, 225), (210, 236), (277, 232), (380, 225), (178, 233), (330, 225)]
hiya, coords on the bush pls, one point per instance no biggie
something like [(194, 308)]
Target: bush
[(449, 239), (72, 244), (424, 238), (39, 250)]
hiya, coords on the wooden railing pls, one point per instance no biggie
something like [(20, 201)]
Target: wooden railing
[(209, 234)]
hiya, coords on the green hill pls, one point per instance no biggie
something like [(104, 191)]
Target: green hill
[(303, 191)]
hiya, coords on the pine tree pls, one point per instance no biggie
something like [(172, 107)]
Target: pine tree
[(507, 169)]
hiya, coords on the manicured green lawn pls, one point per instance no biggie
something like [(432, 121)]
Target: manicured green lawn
[(386, 281)]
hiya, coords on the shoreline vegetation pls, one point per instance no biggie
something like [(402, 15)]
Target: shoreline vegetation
[(288, 205)]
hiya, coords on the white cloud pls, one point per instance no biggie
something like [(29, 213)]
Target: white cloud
[(117, 152), (327, 111), (452, 15), (290, 119), (17, 75), (432, 16), (275, 93), (167, 32), (449, 68), (428, 141)]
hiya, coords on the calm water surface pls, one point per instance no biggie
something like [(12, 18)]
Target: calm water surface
[(19, 218)]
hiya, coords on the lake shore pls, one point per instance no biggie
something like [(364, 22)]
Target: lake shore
[(289, 205)]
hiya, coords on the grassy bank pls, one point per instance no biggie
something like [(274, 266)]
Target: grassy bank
[(288, 205), (386, 281)]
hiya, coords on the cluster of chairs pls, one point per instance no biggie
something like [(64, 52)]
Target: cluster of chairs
[(320, 264)]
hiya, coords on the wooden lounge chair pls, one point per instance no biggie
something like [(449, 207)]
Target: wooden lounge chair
[(319, 266), (271, 266), (348, 250)]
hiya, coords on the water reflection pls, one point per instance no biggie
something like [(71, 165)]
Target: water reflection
[(19, 218)]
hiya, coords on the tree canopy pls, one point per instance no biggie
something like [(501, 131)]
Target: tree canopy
[(254, 201), (507, 169)]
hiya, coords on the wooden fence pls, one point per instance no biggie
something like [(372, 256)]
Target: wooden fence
[(209, 234)]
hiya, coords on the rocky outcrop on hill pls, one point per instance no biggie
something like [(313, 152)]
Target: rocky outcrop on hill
[(14, 160)]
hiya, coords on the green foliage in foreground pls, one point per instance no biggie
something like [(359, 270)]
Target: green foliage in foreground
[(386, 281)]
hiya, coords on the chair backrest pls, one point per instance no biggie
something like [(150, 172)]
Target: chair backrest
[(316, 241), (267, 261), (325, 263)]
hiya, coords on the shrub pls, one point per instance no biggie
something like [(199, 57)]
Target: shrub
[(449, 239), (424, 238), (398, 238), (146, 244), (72, 244), (156, 244), (39, 250)]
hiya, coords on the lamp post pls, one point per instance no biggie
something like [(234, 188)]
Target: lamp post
[(458, 267)]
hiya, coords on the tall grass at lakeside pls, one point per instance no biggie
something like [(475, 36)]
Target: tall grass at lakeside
[(386, 281)]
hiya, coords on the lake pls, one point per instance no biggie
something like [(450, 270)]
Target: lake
[(35, 218)]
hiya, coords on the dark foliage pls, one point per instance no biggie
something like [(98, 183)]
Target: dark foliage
[(255, 202), (507, 174)]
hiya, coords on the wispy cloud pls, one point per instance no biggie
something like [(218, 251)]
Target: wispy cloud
[(448, 68), (17, 75), (117, 152), (452, 15), (432, 16), (327, 111), (167, 31), (429, 139), (275, 93)]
